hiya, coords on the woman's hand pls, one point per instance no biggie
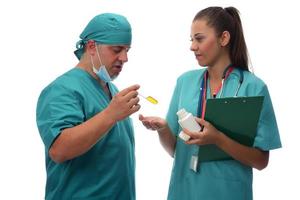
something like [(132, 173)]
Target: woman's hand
[(209, 134), (166, 138), (250, 156), (153, 123)]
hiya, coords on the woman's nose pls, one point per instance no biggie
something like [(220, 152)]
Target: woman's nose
[(193, 46)]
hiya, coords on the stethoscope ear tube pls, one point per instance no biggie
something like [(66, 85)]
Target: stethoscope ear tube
[(203, 88), (240, 82), (238, 88)]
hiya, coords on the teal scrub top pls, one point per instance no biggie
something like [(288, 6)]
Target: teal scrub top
[(229, 179), (107, 170)]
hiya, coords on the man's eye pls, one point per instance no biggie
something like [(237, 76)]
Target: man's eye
[(117, 49)]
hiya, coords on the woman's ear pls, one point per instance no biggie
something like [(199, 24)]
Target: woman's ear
[(225, 38)]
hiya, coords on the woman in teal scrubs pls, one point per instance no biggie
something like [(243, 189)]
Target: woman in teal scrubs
[(218, 43)]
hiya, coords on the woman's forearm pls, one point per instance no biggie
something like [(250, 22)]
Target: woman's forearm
[(247, 155), (167, 140)]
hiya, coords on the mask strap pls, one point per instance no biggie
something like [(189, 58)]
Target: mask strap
[(98, 55), (94, 69)]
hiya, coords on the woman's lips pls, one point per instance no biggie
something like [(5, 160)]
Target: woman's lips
[(198, 56)]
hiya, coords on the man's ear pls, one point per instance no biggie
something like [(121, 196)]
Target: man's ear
[(225, 38), (91, 47)]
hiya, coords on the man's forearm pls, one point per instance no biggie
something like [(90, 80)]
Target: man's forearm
[(75, 141)]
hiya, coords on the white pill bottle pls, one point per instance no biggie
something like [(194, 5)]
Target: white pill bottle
[(187, 120)]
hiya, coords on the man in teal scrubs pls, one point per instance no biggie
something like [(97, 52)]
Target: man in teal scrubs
[(84, 120)]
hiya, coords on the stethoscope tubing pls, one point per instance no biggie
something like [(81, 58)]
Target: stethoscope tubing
[(204, 84)]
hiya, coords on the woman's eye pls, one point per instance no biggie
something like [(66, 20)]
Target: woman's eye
[(199, 39)]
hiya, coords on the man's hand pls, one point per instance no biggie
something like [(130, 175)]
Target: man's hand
[(124, 103)]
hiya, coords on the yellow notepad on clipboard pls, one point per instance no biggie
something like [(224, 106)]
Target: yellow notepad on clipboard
[(236, 117)]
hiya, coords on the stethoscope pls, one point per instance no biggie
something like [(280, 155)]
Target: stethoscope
[(203, 88)]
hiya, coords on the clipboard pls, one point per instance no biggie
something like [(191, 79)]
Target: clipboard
[(236, 117)]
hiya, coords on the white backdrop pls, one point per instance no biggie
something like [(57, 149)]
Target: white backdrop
[(37, 43)]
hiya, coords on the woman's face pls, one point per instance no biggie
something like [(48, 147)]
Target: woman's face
[(205, 43)]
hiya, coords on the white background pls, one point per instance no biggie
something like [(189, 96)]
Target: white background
[(37, 43)]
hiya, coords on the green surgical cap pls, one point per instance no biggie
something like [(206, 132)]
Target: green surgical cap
[(107, 28)]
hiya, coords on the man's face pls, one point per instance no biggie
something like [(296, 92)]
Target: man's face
[(113, 57)]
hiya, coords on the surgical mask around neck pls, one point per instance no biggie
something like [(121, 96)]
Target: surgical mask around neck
[(102, 72)]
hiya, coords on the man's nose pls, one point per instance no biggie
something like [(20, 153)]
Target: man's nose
[(123, 56)]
